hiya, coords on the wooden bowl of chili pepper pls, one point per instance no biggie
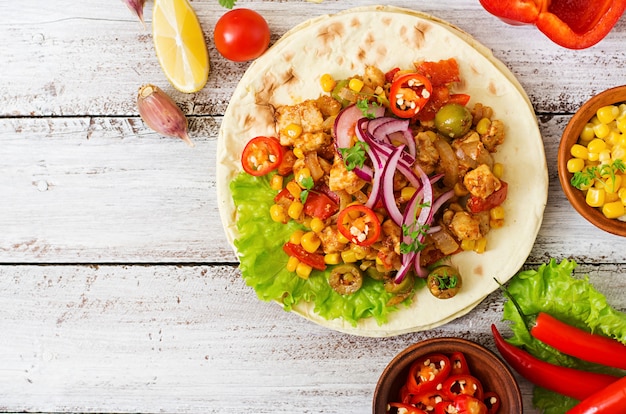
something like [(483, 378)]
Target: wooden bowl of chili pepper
[(592, 160), (439, 375)]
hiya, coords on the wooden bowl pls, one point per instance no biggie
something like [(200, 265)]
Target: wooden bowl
[(484, 364), (570, 136)]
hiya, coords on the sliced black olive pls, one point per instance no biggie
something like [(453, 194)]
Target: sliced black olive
[(444, 282), (346, 278)]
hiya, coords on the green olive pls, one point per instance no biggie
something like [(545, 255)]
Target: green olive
[(403, 287), (346, 278), (453, 120), (444, 282), (374, 273)]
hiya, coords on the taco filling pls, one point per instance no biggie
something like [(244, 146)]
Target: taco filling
[(367, 189)]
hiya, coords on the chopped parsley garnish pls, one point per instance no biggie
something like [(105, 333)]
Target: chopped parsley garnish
[(586, 177), (307, 183), (229, 4), (366, 107), (354, 156), (414, 232), (447, 281)]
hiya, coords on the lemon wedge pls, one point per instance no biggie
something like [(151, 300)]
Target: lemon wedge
[(180, 45)]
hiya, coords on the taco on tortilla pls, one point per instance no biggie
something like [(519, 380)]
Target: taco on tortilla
[(347, 46)]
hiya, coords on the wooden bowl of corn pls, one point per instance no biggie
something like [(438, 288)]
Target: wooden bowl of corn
[(592, 160)]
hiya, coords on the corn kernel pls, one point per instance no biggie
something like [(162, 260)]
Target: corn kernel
[(579, 151), (332, 258), (622, 195), (276, 182), (407, 192), (298, 153), (604, 156), (348, 256), (293, 131), (295, 209), (575, 165), (593, 156), (496, 213), (611, 197), (460, 190), (498, 169), (327, 82), (342, 239), (292, 263), (277, 213), (496, 223), (303, 270), (355, 85), (467, 244), (601, 130), (595, 197), (596, 145), (607, 114), (481, 245), (359, 251), (296, 236), (294, 189), (482, 127), (310, 242), (618, 151), (614, 209), (587, 133), (317, 225), (302, 175), (306, 222), (621, 124)]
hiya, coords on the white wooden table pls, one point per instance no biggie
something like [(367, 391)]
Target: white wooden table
[(118, 289)]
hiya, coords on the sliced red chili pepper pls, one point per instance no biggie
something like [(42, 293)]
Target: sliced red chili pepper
[(409, 93), (492, 401), (316, 261), (319, 205), (426, 400), (359, 224), (408, 408), (427, 372), (261, 155), (463, 384), (459, 364), (462, 404), (459, 98), (609, 400), (563, 380), (477, 204), (571, 340)]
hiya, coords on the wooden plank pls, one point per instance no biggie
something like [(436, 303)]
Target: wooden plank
[(90, 58)]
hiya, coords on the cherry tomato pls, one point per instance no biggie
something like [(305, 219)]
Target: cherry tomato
[(359, 224), (316, 261), (261, 155), (241, 35)]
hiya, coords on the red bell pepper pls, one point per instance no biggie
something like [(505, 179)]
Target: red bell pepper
[(571, 24), (611, 399), (563, 380)]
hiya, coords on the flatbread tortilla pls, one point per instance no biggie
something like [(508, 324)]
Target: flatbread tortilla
[(342, 45)]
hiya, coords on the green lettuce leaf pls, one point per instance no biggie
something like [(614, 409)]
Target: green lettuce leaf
[(263, 261), (553, 289)]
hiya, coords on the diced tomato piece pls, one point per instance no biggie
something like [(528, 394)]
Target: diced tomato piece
[(477, 204), (441, 72), (316, 261), (319, 205)]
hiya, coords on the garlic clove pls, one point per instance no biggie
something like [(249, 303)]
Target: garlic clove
[(136, 6), (161, 113)]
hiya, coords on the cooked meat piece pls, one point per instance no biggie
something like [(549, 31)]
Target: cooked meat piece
[(494, 136), (465, 226), (427, 153), (306, 114), (481, 182), (342, 179), (393, 235), (330, 240)]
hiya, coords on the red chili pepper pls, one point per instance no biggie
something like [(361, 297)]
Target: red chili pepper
[(477, 204), (459, 364), (609, 400), (563, 380), (428, 372), (571, 24), (425, 399), (359, 224), (463, 404), (571, 340), (492, 401), (261, 155), (409, 94), (463, 384), (316, 261), (408, 407)]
